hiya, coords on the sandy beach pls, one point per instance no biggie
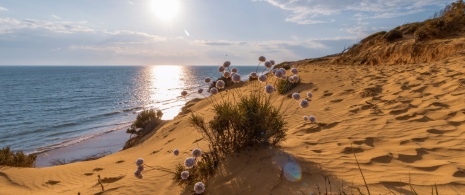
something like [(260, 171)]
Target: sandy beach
[(386, 115), (405, 124)]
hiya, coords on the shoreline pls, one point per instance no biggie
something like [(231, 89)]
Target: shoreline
[(106, 144), (101, 145)]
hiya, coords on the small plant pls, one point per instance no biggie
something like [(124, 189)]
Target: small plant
[(146, 120), (199, 167), (240, 120), (373, 36), (393, 35), (16, 159)]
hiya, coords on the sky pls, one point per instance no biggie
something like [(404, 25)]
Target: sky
[(193, 32)]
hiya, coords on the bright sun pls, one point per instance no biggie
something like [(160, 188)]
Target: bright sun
[(165, 9)]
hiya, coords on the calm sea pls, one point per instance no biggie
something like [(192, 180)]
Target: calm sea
[(44, 108)]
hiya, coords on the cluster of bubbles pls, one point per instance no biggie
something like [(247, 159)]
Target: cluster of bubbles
[(190, 162)]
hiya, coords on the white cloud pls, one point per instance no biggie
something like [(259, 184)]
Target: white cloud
[(131, 3), (312, 11), (10, 25), (2, 9), (55, 16)]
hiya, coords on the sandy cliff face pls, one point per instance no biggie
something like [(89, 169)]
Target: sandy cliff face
[(403, 52)]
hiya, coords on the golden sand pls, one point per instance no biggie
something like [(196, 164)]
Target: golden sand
[(405, 123)]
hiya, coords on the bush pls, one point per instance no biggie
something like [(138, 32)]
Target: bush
[(393, 35), (373, 36), (146, 121), (253, 120), (16, 159), (284, 65), (204, 168), (411, 28), (283, 86), (228, 82), (239, 121)]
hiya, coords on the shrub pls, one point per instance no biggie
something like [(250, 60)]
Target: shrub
[(284, 65), (411, 28), (283, 86), (228, 82), (146, 120), (16, 159), (253, 120), (373, 36), (392, 35), (239, 121), (204, 168)]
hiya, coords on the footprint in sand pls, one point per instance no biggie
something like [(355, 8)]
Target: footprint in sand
[(419, 139), (111, 179), (437, 132), (52, 182), (169, 141), (412, 158), (382, 159), (326, 94), (368, 141), (399, 111), (88, 174), (320, 126), (98, 169), (406, 117), (439, 104), (422, 119), (336, 100), (156, 151), (351, 150), (459, 173)]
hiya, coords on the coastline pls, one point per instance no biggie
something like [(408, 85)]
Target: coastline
[(102, 145)]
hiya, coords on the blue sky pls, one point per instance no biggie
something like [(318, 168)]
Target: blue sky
[(200, 32)]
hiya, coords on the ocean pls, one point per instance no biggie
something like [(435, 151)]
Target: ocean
[(48, 107)]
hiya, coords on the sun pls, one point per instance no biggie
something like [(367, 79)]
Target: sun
[(165, 10)]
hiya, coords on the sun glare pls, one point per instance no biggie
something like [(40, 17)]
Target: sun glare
[(166, 10)]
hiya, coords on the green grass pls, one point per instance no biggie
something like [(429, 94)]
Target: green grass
[(145, 122), (250, 121)]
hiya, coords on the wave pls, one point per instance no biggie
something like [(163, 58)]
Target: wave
[(65, 125), (75, 140)]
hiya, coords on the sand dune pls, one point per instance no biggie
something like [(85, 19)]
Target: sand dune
[(405, 123)]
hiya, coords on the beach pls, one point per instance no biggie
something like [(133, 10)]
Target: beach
[(404, 124)]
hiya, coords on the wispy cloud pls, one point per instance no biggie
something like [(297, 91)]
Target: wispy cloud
[(10, 25), (131, 3), (2, 9), (312, 12), (55, 16)]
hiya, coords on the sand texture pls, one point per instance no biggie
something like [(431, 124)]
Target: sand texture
[(405, 123)]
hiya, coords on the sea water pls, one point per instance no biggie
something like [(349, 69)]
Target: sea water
[(47, 107)]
